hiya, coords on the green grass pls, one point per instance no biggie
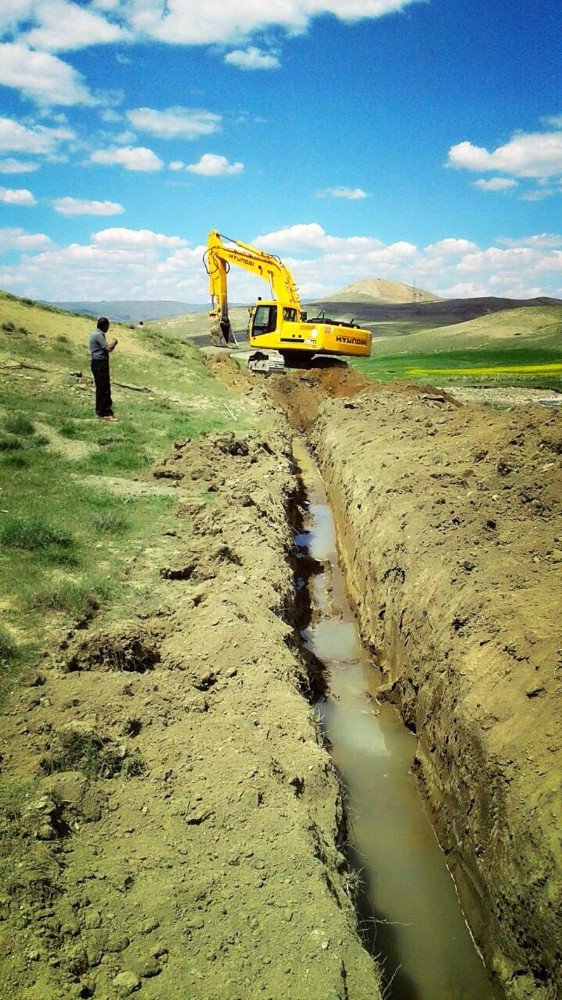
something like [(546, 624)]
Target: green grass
[(18, 424), (67, 538), (48, 542), (8, 648), (68, 597), (10, 443), (440, 367)]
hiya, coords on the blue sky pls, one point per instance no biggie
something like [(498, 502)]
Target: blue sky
[(417, 140)]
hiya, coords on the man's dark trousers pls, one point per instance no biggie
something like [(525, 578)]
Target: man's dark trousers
[(100, 371)]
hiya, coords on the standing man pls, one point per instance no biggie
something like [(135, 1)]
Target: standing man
[(100, 350)]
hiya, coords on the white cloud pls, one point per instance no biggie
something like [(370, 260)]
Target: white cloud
[(541, 193), (495, 184), (12, 166), (177, 165), (450, 247), (137, 238), (146, 264), (202, 23), (533, 155), (110, 115), (542, 241), (14, 12), (109, 5), (129, 157), (39, 139), (18, 239), (79, 206), (58, 24), (41, 76), (351, 194), (311, 236), (139, 264), (252, 58), (552, 121), (175, 123), (125, 138), (17, 196), (68, 26), (322, 263), (213, 165), (42, 28)]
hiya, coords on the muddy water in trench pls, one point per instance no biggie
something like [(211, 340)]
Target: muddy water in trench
[(411, 913)]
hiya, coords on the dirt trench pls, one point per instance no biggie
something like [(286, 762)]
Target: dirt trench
[(449, 529), (170, 820)]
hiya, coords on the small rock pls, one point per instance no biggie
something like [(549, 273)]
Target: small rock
[(117, 944), (93, 920), (126, 983), (536, 692), (32, 679), (148, 925), (147, 968)]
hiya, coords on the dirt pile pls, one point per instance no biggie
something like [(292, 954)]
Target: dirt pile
[(170, 817), (449, 526)]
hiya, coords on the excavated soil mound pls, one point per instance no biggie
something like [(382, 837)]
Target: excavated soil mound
[(170, 818)]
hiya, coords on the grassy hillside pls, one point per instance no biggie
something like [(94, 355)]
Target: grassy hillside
[(195, 326), (539, 326), (77, 498), (515, 347), (412, 316)]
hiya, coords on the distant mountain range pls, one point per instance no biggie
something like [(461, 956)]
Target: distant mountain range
[(372, 300), (432, 311), (368, 290), (131, 311)]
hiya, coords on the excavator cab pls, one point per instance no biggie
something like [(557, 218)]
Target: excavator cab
[(264, 319)]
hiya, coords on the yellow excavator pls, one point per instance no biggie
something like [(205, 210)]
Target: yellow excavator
[(276, 324)]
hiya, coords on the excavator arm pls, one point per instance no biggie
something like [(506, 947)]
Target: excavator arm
[(218, 259), (278, 325)]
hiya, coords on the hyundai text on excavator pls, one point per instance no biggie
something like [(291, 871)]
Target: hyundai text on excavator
[(276, 324)]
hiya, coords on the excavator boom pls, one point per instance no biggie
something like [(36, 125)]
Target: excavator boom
[(278, 324)]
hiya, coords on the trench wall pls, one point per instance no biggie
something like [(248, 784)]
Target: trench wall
[(436, 540)]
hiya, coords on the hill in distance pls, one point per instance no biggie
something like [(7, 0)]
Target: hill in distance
[(527, 326), (383, 291), (435, 312), (130, 310)]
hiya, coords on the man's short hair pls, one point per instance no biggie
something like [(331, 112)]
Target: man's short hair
[(103, 324)]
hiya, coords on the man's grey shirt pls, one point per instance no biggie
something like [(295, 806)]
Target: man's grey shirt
[(98, 346)]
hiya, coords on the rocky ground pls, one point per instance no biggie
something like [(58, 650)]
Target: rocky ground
[(171, 820)]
